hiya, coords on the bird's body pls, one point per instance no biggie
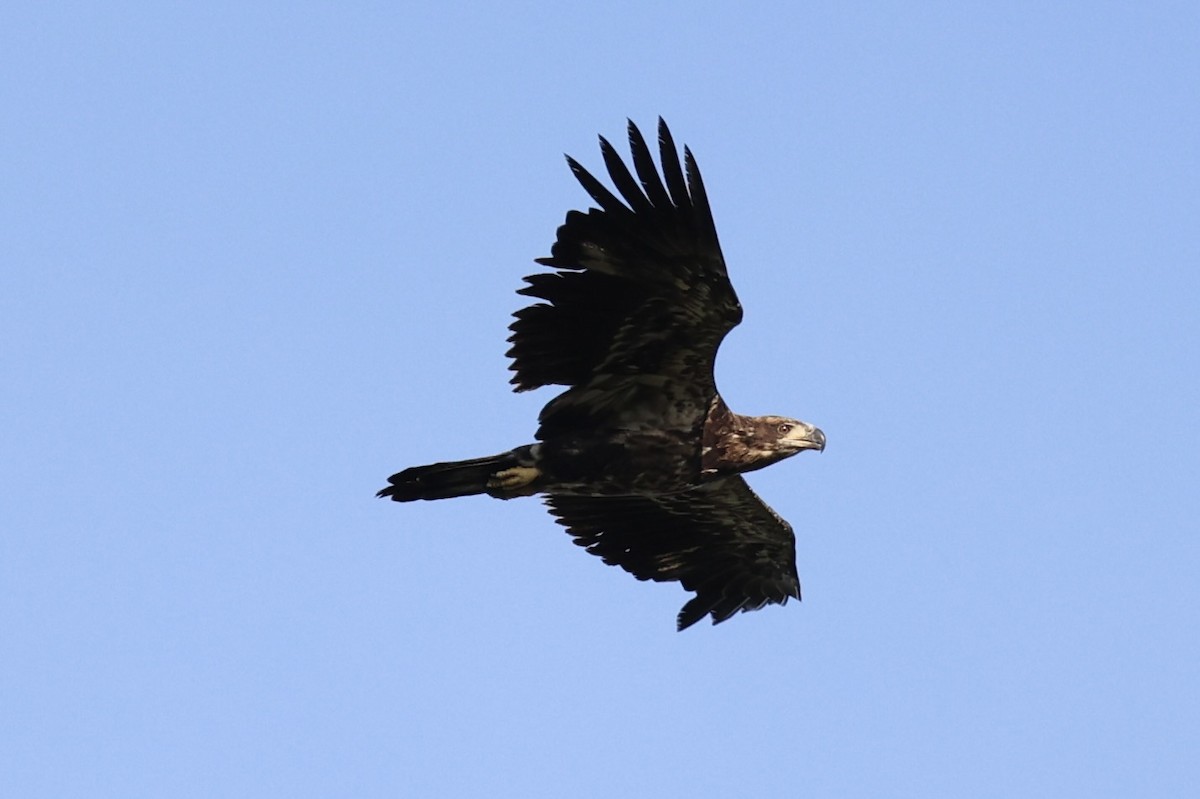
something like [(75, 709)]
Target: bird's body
[(639, 457)]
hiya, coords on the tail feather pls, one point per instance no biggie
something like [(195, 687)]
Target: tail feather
[(446, 480)]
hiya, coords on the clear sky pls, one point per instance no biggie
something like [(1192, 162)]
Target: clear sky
[(256, 257)]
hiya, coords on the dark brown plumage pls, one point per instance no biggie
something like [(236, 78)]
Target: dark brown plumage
[(639, 458)]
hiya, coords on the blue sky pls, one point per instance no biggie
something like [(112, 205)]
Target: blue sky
[(258, 257)]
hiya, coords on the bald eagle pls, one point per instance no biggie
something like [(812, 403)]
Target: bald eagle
[(639, 458)]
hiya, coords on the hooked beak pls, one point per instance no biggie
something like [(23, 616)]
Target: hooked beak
[(808, 437)]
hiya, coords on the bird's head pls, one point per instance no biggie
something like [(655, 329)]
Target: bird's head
[(773, 438)]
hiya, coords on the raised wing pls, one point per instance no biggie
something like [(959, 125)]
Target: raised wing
[(719, 540), (639, 286)]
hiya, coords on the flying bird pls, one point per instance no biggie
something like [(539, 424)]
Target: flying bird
[(639, 457)]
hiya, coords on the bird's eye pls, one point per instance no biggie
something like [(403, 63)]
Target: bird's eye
[(784, 429)]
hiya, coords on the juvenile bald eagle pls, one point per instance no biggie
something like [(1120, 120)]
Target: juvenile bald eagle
[(639, 458)]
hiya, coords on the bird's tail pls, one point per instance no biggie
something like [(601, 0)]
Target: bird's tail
[(446, 480)]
